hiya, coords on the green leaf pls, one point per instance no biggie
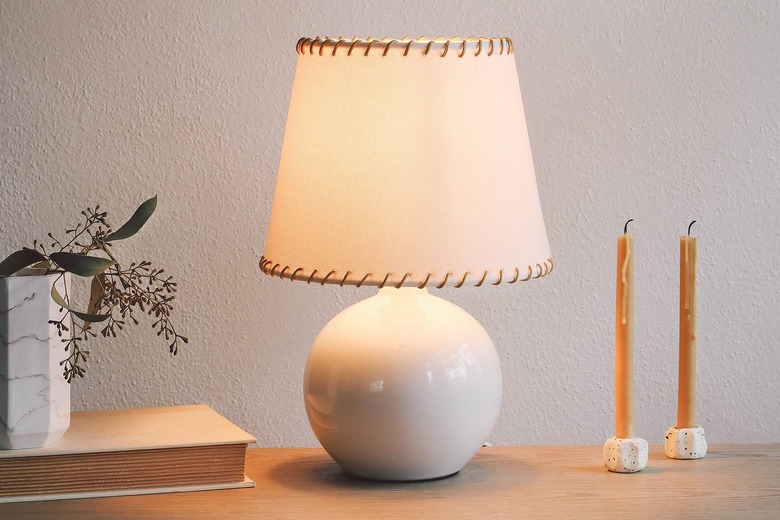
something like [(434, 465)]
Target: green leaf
[(90, 318), (136, 222), (81, 265), (19, 260)]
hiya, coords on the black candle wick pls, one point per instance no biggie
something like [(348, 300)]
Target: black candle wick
[(625, 228), (689, 227)]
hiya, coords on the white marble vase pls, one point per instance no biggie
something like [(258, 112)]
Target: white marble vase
[(34, 396)]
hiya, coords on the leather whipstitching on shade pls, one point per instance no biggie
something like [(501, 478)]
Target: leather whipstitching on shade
[(317, 45), (271, 268)]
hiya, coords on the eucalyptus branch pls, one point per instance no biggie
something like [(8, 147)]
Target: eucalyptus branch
[(115, 294)]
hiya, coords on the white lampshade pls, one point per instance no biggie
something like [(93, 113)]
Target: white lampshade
[(406, 163)]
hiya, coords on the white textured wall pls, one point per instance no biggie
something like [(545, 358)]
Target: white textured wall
[(658, 111)]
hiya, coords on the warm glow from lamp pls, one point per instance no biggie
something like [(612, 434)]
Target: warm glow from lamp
[(405, 163)]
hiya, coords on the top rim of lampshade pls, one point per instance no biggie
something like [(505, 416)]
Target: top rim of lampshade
[(440, 46)]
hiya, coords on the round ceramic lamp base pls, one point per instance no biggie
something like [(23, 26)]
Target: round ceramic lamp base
[(402, 386)]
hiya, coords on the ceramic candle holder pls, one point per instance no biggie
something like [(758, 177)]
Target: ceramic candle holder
[(625, 455), (685, 443)]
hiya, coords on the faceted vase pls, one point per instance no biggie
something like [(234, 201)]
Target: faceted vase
[(34, 396)]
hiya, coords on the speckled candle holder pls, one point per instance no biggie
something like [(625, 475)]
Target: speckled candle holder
[(625, 455), (685, 443)]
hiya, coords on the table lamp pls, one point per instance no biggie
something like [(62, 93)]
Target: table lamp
[(405, 166)]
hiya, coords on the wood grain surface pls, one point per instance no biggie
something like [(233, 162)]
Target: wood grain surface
[(732, 481)]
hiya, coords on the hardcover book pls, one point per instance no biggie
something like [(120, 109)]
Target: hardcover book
[(130, 452)]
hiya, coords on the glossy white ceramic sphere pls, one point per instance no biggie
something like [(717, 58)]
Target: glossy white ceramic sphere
[(402, 386)]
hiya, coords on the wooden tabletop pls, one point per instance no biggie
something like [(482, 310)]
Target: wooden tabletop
[(732, 481)]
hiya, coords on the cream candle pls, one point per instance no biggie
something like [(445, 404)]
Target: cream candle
[(624, 337), (686, 390)]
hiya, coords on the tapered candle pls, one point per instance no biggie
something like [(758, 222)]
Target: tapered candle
[(686, 390), (624, 337)]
